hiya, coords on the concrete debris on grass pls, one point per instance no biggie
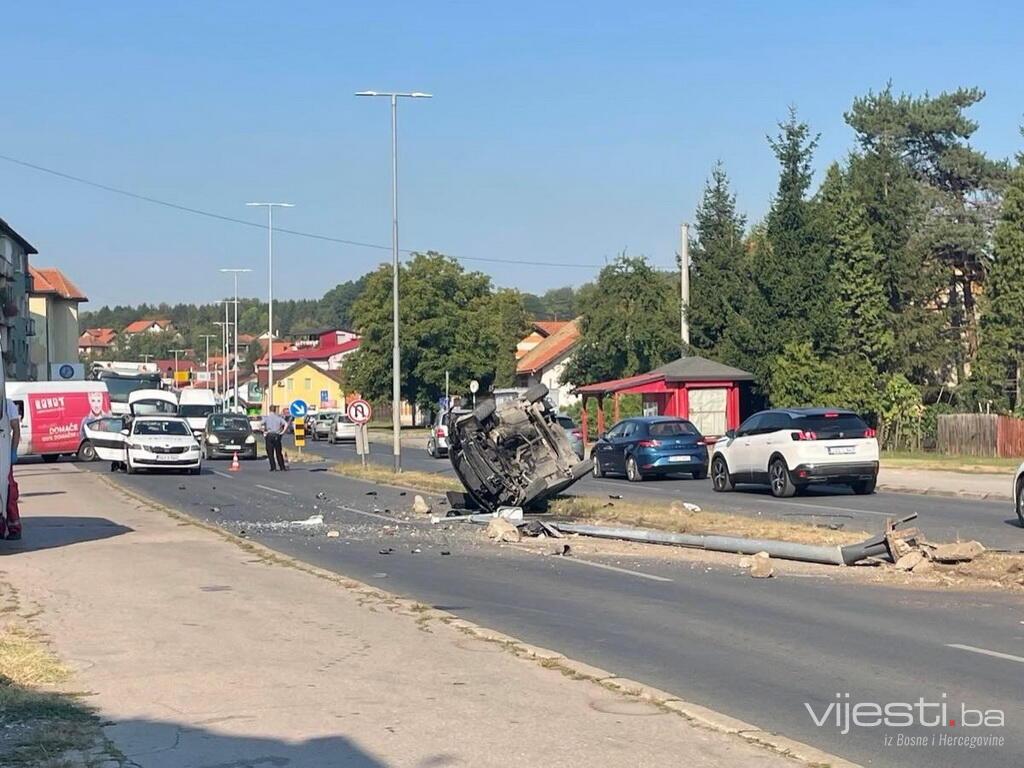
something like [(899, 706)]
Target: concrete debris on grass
[(679, 507), (957, 552)]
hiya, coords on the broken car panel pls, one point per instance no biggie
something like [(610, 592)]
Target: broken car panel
[(516, 455)]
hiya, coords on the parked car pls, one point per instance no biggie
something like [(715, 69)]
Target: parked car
[(437, 441), (256, 424), (195, 406), (227, 434), (791, 448), (318, 425), (102, 439), (573, 432), (52, 414), (161, 442), (647, 446), (1018, 493), (342, 429)]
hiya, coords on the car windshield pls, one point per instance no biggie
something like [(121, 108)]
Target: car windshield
[(196, 411), (849, 424), (325, 416), (120, 388), (153, 407), (228, 421), (671, 428), (344, 420), (163, 427)]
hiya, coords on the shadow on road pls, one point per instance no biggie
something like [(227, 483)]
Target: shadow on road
[(50, 532)]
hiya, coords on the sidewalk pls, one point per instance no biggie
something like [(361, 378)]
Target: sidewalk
[(942, 483), (202, 652)]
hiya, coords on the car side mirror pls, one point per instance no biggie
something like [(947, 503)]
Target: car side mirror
[(731, 434), (602, 435), (124, 432)]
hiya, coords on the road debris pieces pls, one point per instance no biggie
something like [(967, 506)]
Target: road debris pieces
[(501, 529), (761, 566), (420, 506), (332, 534)]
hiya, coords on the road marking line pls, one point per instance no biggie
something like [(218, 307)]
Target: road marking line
[(986, 652), (379, 517), (272, 490), (650, 576), (223, 474)]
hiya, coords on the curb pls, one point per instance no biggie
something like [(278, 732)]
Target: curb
[(695, 714), (986, 496)]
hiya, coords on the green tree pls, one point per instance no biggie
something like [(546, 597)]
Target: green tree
[(855, 289), (449, 321), (718, 269), (630, 323), (997, 374), (801, 377)]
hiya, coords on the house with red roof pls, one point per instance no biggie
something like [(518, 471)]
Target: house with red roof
[(96, 341), (544, 362), (326, 348), (148, 325), (53, 307), (541, 329)]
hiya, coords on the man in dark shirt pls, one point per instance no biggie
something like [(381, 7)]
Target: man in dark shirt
[(273, 428)]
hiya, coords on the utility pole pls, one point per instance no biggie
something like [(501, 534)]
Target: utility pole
[(208, 336), (235, 272), (684, 285), (176, 351)]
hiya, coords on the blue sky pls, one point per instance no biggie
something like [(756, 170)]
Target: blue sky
[(559, 132)]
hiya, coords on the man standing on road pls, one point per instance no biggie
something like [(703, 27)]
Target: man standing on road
[(273, 428), (10, 523)]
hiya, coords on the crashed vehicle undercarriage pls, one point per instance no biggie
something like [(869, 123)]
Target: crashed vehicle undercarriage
[(516, 455)]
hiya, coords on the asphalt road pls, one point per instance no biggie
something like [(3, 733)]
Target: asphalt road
[(993, 523), (756, 650)]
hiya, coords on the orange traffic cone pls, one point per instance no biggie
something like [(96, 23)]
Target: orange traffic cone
[(234, 463)]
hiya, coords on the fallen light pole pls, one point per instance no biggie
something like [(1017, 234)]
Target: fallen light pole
[(875, 546)]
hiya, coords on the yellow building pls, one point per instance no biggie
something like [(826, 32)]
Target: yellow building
[(53, 306), (308, 382)]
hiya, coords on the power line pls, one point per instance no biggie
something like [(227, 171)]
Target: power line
[(296, 232)]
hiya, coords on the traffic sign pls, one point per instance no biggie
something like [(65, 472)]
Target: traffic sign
[(325, 395), (300, 431), (474, 386), (298, 408), (359, 411)]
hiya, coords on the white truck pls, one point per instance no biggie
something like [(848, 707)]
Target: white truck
[(195, 405)]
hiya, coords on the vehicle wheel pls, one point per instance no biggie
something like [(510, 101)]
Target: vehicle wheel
[(1020, 503), (721, 480), (700, 474), (867, 487), (484, 411), (49, 458), (86, 451), (598, 472), (129, 468), (781, 483), (633, 471), (536, 392)]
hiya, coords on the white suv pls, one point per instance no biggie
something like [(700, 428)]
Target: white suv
[(790, 448)]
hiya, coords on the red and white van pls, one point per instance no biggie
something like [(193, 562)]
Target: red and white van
[(53, 412)]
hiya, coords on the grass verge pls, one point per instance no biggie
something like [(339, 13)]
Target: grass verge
[(378, 473), (677, 519), (42, 725), (939, 461)]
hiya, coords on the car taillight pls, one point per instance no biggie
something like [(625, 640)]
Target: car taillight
[(577, 433), (870, 432), (804, 434), (440, 432), (648, 444)]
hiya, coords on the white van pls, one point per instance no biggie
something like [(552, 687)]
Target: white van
[(53, 412), (195, 405)]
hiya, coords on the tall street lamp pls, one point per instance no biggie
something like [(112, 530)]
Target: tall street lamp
[(234, 353), (269, 396), (224, 326), (208, 336), (396, 391), (176, 351)]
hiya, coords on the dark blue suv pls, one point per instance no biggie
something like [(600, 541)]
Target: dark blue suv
[(651, 445)]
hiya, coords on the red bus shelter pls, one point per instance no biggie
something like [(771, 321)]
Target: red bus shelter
[(695, 388)]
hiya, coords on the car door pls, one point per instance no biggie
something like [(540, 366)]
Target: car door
[(740, 455), (604, 452), (621, 444), (105, 435), (767, 441)]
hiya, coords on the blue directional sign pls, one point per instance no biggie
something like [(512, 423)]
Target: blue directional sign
[(298, 408)]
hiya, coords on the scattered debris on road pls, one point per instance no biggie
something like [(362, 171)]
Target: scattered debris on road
[(420, 506), (332, 534), (761, 566), (502, 530)]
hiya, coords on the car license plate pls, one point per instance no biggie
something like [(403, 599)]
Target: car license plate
[(165, 457), (842, 449), (678, 458), (234, 447)]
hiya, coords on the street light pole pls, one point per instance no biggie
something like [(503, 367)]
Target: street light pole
[(176, 351), (234, 353), (208, 336), (269, 397), (224, 325), (396, 389)]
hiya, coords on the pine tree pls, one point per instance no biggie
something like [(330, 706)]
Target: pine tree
[(855, 288), (1001, 354), (718, 267)]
